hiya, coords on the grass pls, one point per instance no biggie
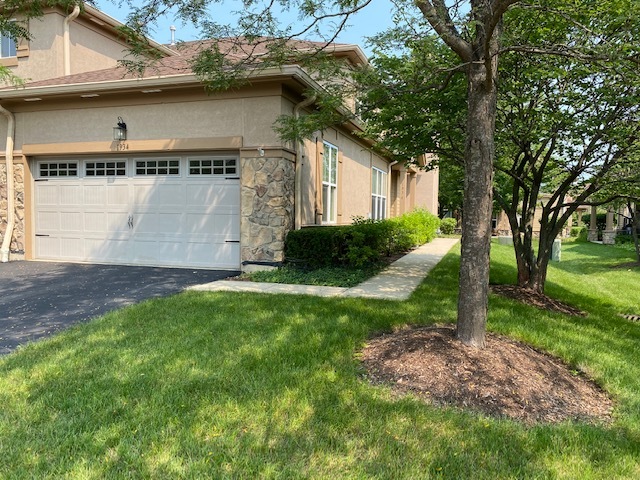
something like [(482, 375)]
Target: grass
[(327, 276), (229, 385)]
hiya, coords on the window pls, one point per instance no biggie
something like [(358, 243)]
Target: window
[(105, 169), (153, 166), (7, 47), (213, 166), (329, 183), (55, 169), (378, 194)]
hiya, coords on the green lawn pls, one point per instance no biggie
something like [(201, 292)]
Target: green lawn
[(229, 385)]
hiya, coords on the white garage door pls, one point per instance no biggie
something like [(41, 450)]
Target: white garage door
[(165, 211)]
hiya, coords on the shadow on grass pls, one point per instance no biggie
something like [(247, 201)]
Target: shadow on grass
[(214, 385)]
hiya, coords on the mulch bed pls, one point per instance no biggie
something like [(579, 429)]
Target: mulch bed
[(540, 300), (505, 379)]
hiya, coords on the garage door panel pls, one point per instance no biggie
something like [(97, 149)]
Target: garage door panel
[(157, 223), (94, 194), (216, 194), (72, 248), (117, 222), (227, 225), (48, 221), (71, 222), (70, 194), (47, 194), (118, 195), (107, 249), (142, 219), (47, 247), (159, 195), (157, 251)]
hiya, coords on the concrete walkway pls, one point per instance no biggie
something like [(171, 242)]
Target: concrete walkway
[(397, 282)]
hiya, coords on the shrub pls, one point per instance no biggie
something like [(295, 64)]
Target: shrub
[(361, 243), (577, 231), (448, 225), (601, 220), (624, 238), (582, 236)]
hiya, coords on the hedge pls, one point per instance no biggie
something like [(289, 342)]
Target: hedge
[(448, 225), (365, 241)]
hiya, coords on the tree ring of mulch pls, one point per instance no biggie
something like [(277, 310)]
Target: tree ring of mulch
[(536, 299), (505, 379)]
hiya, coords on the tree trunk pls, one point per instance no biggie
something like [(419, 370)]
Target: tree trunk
[(476, 222), (634, 212)]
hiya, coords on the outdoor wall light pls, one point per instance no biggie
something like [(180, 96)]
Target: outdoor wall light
[(120, 131)]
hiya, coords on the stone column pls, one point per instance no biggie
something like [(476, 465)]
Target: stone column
[(17, 243), (267, 209), (609, 234), (592, 235)]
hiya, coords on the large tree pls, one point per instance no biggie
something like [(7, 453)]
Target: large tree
[(563, 121)]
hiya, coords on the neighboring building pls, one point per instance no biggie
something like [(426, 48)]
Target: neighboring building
[(500, 221), (200, 181)]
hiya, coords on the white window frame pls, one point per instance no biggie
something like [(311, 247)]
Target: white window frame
[(378, 194), (146, 170), (230, 167), (7, 41), (329, 183)]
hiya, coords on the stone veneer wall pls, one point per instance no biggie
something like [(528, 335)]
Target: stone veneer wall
[(17, 243), (267, 207)]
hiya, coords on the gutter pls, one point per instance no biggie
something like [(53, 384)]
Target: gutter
[(66, 41), (11, 189), (297, 220)]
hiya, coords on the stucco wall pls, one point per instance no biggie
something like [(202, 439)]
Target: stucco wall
[(205, 117), (44, 58), (426, 194), (354, 175), (91, 48)]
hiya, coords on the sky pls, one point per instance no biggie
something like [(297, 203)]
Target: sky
[(374, 18)]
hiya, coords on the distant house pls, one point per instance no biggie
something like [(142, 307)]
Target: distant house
[(196, 180)]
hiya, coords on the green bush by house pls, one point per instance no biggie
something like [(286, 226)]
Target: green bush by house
[(448, 225), (365, 241), (578, 231)]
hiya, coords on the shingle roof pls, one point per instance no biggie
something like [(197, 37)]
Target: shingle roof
[(180, 63)]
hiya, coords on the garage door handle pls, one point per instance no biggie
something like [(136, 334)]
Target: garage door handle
[(232, 241), (130, 222), (41, 235)]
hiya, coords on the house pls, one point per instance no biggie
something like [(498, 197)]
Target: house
[(195, 179)]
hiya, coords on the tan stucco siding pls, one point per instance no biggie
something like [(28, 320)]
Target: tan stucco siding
[(426, 192), (44, 58), (354, 176), (92, 49), (250, 118)]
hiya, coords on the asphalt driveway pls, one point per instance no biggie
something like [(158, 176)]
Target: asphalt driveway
[(38, 299)]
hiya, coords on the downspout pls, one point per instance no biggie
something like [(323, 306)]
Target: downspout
[(297, 221), (11, 189), (66, 41)]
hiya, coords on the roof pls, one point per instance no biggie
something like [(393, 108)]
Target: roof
[(182, 54)]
